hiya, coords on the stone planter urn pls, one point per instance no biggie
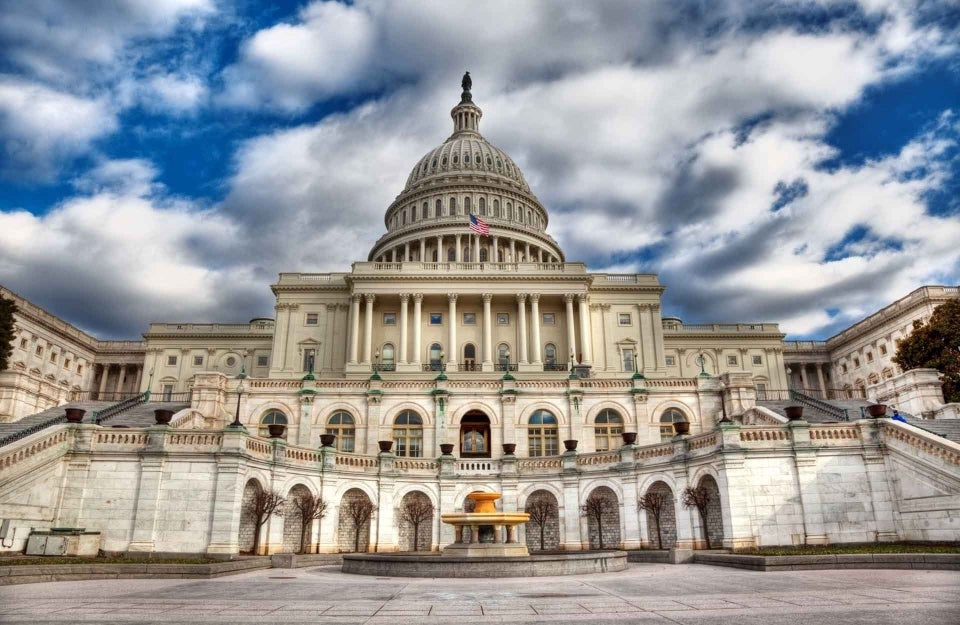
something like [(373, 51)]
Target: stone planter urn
[(162, 416), (326, 440), (446, 448), (629, 438), (75, 415), (794, 413), (571, 444), (385, 446), (877, 410), (682, 428), (276, 430), (509, 449)]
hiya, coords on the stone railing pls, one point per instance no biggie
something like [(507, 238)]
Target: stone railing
[(259, 447), (478, 467), (32, 448), (416, 465), (598, 458), (835, 435), (539, 465), (703, 444), (351, 461), (298, 455), (120, 440), (654, 453), (914, 441), (467, 268), (764, 435)]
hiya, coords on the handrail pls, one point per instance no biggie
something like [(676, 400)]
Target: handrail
[(99, 416), (822, 406), (33, 429)]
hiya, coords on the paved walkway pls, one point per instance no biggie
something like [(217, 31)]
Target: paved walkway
[(645, 593)]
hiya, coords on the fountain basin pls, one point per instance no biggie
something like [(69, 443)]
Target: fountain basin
[(435, 565)]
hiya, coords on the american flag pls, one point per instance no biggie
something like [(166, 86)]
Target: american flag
[(479, 226)]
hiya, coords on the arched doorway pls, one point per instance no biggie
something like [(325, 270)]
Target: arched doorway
[(248, 520), (543, 529), (353, 523), (475, 435), (415, 519), (660, 507), (714, 515), (293, 521), (602, 510)]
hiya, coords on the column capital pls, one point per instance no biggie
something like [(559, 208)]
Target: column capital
[(356, 297), (568, 297), (404, 298), (521, 297), (452, 297), (534, 297), (582, 298), (418, 297), (370, 297), (332, 306), (487, 297)]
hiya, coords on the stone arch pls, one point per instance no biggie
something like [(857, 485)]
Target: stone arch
[(292, 524), (690, 361), (549, 533), (668, 518), (714, 520), (610, 521), (248, 521), (389, 416), (348, 539), (474, 405), (558, 411), (624, 412), (405, 534)]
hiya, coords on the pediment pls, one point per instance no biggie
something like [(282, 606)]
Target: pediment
[(309, 342)]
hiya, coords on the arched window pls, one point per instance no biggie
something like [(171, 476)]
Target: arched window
[(503, 357), (529, 218), (388, 361), (496, 208), (425, 210), (469, 357), (482, 206), (274, 417), (466, 205), (413, 212), (873, 378), (476, 159), (550, 354), (483, 254), (507, 210), (451, 254), (439, 208), (607, 429), (436, 355), (453, 206), (542, 434), (342, 424), (403, 217), (887, 373), (667, 419), (408, 434)]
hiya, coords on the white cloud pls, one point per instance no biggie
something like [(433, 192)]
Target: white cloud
[(176, 94), (41, 126)]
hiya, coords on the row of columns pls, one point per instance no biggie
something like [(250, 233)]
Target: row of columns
[(531, 253), (804, 381), (586, 347), (121, 378)]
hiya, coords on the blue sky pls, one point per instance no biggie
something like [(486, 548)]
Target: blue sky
[(772, 161)]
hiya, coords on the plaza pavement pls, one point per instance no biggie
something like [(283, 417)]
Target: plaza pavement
[(644, 593)]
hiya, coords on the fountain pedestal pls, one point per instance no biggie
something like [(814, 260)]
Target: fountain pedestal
[(491, 533)]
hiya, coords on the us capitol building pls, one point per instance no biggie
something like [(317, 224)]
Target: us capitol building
[(466, 353)]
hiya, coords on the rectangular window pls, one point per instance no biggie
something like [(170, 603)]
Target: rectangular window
[(171, 360), (469, 319), (549, 319), (390, 319), (23, 343), (39, 350), (198, 361), (732, 361), (436, 319), (856, 363), (263, 361), (869, 356), (312, 318), (671, 361), (503, 319), (53, 356), (168, 391), (628, 360), (758, 360), (308, 359), (66, 363), (624, 319), (79, 369), (844, 368), (883, 350)]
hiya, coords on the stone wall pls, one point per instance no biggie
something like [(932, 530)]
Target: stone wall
[(551, 529), (346, 528), (610, 521)]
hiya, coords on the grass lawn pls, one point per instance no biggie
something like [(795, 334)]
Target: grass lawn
[(818, 550)]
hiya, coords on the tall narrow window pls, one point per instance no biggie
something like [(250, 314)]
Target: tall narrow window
[(435, 357), (408, 434), (439, 208), (469, 357), (342, 425), (629, 362), (453, 206), (607, 429), (482, 206), (542, 434)]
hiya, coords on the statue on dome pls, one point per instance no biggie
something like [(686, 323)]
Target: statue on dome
[(467, 84)]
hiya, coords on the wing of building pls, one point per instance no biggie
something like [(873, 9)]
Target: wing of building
[(461, 355)]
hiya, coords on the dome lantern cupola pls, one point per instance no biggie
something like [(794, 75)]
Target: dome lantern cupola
[(466, 115)]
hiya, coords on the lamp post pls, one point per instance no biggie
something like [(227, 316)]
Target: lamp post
[(723, 405), (636, 369), (240, 376), (376, 365), (443, 367), (506, 373), (573, 371)]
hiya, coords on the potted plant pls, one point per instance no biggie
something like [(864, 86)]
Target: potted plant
[(509, 449), (794, 413), (682, 428), (629, 438), (162, 416), (326, 440), (877, 410), (276, 430), (446, 448), (571, 444), (74, 415), (385, 446)]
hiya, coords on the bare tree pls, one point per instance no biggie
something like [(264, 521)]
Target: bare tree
[(311, 508), (541, 511), (416, 511), (654, 502), (359, 510), (698, 497), (596, 506), (261, 507)]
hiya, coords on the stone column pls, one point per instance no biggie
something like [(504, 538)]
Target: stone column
[(393, 255), (823, 385), (585, 342), (354, 327), (487, 333), (476, 248), (406, 251), (571, 334), (139, 380), (458, 253), (526, 252), (803, 377), (104, 371), (417, 307), (535, 327), (495, 257), (513, 251), (368, 328), (423, 249), (121, 378), (452, 325), (522, 325), (404, 298), (440, 257)]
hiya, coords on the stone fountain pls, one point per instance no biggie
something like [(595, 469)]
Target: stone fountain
[(491, 533)]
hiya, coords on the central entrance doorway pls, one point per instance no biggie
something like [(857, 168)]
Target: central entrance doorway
[(475, 435)]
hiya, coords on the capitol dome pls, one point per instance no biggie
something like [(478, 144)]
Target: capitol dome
[(466, 176)]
